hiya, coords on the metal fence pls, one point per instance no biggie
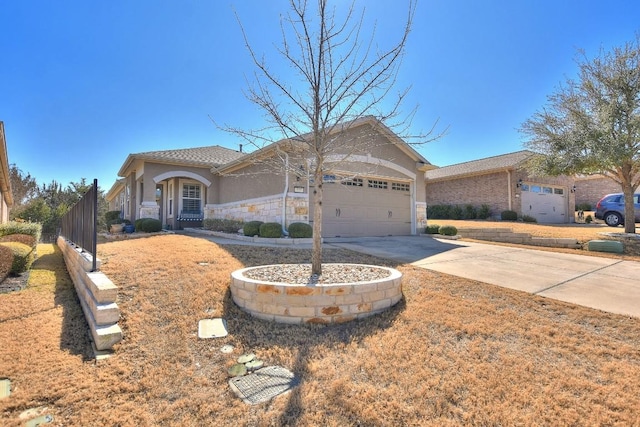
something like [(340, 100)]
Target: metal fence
[(80, 224)]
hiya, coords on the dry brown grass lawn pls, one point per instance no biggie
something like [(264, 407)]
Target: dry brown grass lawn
[(452, 352)]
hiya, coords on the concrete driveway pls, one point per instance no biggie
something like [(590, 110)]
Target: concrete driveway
[(602, 283)]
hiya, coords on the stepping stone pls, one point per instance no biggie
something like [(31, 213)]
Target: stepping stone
[(606, 246), (237, 370), (246, 358), (254, 364), (264, 384), (226, 349), (5, 388), (212, 328)]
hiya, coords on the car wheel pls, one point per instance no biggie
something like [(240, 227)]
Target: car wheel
[(612, 219)]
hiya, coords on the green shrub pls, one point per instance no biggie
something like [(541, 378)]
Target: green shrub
[(456, 212), (27, 239), (588, 219), (448, 230), (148, 225), (509, 216), (470, 212), (15, 227), (222, 225), (439, 211), (527, 218), (252, 228), (111, 216), (432, 229), (138, 223), (484, 212), (23, 256), (583, 207), (300, 230), (271, 229), (6, 261)]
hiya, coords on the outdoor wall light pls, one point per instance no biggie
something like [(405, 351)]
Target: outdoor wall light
[(573, 189), (519, 183)]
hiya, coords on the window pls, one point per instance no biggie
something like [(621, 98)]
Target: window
[(558, 191), (170, 203), (524, 187), (374, 183), (547, 190), (191, 201), (399, 186), (535, 189), (355, 182)]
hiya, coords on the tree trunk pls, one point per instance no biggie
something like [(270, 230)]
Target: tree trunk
[(316, 252), (629, 210)]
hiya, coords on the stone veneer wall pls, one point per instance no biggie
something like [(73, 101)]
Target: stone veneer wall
[(298, 303), (266, 209), (97, 295)]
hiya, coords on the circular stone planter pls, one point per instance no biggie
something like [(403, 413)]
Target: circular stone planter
[(315, 303)]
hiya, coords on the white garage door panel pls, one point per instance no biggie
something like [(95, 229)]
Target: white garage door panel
[(546, 208), (362, 211)]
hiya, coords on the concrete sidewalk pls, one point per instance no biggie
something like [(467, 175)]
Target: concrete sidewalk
[(602, 283)]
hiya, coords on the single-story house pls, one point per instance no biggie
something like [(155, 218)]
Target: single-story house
[(375, 189), (502, 183), (6, 197)]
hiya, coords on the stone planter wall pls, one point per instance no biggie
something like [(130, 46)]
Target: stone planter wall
[(97, 295), (297, 303)]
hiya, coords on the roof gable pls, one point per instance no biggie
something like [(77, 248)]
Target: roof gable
[(209, 156), (480, 167)]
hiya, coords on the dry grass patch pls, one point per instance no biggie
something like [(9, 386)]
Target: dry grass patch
[(452, 352)]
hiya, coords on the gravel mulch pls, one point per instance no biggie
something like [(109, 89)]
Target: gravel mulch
[(14, 283), (300, 274)]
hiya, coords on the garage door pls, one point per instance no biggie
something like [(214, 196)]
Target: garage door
[(547, 204), (366, 207)]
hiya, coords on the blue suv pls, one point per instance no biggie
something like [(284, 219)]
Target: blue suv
[(610, 209)]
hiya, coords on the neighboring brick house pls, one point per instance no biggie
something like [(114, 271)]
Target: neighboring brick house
[(590, 189), (376, 191), (502, 183), (6, 197)]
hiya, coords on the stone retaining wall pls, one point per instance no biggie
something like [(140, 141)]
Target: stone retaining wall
[(335, 303), (97, 295), (506, 235)]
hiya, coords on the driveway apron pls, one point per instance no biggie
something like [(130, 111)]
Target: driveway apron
[(605, 284)]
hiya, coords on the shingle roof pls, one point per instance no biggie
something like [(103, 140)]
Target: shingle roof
[(482, 166), (214, 155)]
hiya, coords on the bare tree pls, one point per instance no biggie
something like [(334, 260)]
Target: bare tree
[(592, 125), (342, 77)]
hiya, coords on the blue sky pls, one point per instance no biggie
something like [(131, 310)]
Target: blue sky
[(85, 83)]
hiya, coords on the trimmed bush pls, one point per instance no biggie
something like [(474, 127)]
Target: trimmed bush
[(439, 211), (509, 216), (456, 212), (470, 212), (27, 239), (271, 229), (448, 230), (252, 228), (588, 219), (583, 207), (6, 261), (149, 225), (484, 212), (14, 227), (432, 229), (222, 225), (300, 230), (111, 216), (527, 218), (23, 256)]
